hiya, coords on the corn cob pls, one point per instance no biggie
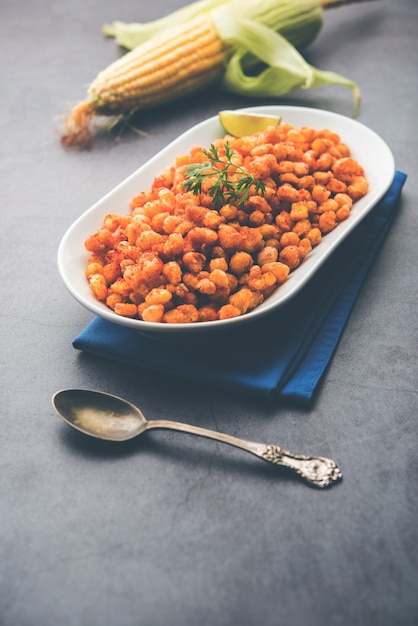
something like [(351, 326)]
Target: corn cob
[(213, 46)]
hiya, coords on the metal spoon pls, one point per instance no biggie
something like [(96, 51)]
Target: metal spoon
[(106, 416)]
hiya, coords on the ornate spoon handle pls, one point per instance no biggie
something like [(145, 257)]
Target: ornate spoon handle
[(316, 470)]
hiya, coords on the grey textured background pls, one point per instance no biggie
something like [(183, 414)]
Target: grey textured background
[(170, 529)]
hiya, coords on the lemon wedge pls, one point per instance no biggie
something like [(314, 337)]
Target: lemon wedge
[(239, 124)]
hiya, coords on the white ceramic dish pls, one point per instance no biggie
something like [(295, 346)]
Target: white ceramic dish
[(365, 145)]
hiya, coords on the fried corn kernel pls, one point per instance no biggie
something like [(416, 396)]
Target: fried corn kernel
[(289, 239), (242, 300), (183, 314), (284, 221), (304, 247), (113, 299), (193, 261), (98, 285), (280, 271), (218, 263), (342, 213), (302, 227), (269, 254), (158, 295), (176, 258), (208, 313), (315, 236), (289, 255), (358, 187), (228, 311), (327, 221), (93, 267), (299, 211), (240, 262), (172, 272), (152, 312), (125, 309)]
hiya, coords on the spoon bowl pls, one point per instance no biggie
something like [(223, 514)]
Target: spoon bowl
[(99, 414), (105, 416)]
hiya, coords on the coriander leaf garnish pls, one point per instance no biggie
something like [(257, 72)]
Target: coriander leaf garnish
[(232, 183)]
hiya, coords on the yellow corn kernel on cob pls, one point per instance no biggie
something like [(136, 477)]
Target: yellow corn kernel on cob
[(171, 64)]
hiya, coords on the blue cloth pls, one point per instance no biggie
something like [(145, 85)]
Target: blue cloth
[(285, 356)]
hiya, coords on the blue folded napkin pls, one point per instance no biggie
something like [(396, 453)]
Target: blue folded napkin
[(285, 356)]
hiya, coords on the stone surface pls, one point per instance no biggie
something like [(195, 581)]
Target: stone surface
[(172, 529)]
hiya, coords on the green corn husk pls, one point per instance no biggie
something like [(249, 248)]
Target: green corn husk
[(269, 35), (297, 20), (131, 35)]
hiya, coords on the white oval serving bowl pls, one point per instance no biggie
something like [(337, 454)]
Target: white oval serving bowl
[(365, 145)]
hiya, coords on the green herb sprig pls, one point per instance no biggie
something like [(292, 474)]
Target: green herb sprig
[(232, 183)]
